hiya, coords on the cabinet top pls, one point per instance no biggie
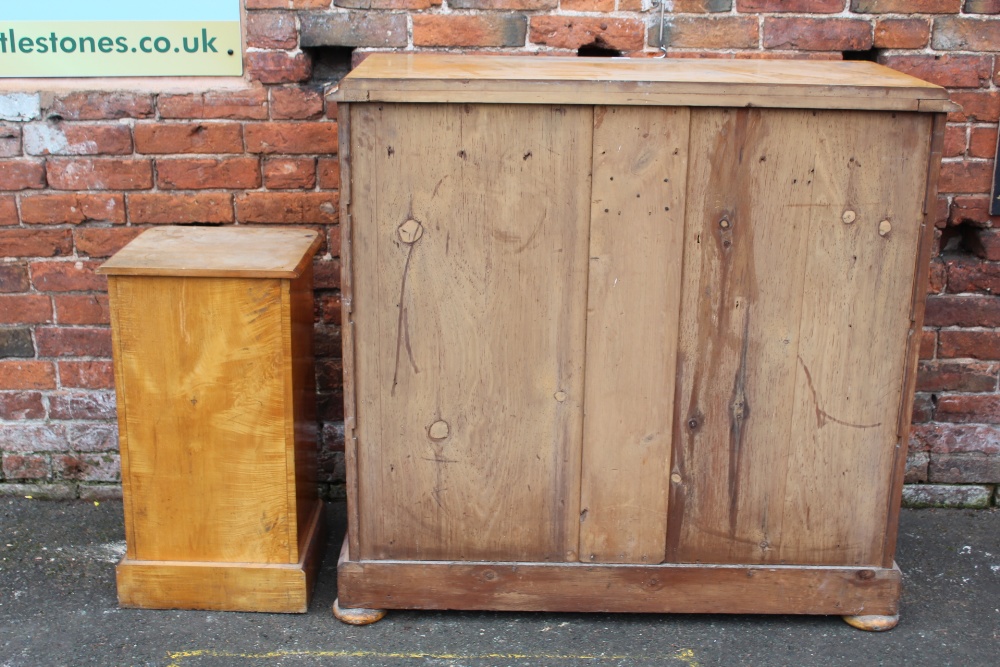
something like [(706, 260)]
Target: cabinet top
[(218, 252), (394, 77)]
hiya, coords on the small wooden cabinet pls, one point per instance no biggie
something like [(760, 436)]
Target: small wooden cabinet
[(632, 335), (212, 332)]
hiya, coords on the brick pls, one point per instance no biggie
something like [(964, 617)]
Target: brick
[(352, 28), (20, 106), (73, 342), (923, 409), (86, 375), (35, 242), (928, 344), (32, 437), (984, 243), (102, 241), (966, 408), (278, 66), (8, 210), (966, 177), (102, 106), (99, 174), (937, 277), (797, 6), (290, 173), (916, 467), (169, 138), (92, 437), (326, 341), (969, 344), (100, 492), (572, 32), (82, 308), (22, 375), (901, 33), (469, 29), (587, 5), (946, 495), (233, 105), (104, 467), (26, 466), (329, 173), (164, 208), (333, 242), (82, 405), (328, 310), (976, 106), (10, 141), (817, 34), (952, 33), (72, 209), (971, 275), (332, 436), (305, 207), (16, 342), (203, 173), (707, 32), (67, 277), (951, 71), (906, 6), (329, 374), (981, 7), (326, 274), (25, 309), (403, 4), (963, 468), (23, 174), (297, 138), (489, 4), (62, 491), (940, 376), (296, 103), (955, 140), (271, 30), (983, 142), (13, 278), (21, 405), (330, 407), (287, 4), (57, 138), (962, 311), (970, 210), (956, 438)]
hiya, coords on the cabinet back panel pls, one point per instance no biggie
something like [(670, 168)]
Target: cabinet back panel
[(470, 326)]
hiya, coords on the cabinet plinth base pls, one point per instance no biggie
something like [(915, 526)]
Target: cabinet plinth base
[(357, 616), (215, 586), (873, 622), (574, 587)]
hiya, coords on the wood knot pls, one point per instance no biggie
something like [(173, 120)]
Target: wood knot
[(560, 396), (866, 574), (849, 216), (675, 478), (884, 228), (439, 430), (410, 231)]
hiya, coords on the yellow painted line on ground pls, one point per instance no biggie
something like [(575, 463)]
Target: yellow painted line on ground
[(181, 658)]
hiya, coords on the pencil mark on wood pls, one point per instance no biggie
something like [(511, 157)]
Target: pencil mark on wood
[(401, 321), (822, 416), (739, 411)]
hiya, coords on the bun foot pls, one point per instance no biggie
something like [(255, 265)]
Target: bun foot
[(357, 616), (872, 623)]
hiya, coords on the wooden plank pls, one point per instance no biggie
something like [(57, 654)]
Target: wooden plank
[(232, 252), (636, 241), (749, 193), (863, 244), (470, 382), (200, 363), (122, 411), (579, 587)]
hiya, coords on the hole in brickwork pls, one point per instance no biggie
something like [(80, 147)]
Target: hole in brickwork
[(597, 49), (330, 63), (870, 55)]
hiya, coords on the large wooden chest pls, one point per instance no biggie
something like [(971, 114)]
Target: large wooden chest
[(630, 335)]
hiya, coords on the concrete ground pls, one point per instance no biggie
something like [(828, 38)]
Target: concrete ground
[(58, 607)]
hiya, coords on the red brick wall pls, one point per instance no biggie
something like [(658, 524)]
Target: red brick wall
[(82, 173)]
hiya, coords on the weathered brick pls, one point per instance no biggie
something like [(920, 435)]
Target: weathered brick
[(901, 33), (168, 138), (916, 467), (332, 436), (35, 242), (233, 105), (955, 140), (797, 6), (906, 6), (329, 173), (32, 437), (981, 7), (330, 407), (26, 374), (58, 138), (983, 142), (951, 71), (969, 408), (962, 311), (21, 405), (26, 466), (405, 4), (296, 103), (16, 342), (10, 140), (952, 33), (966, 177), (333, 240), (971, 275), (817, 34), (22, 174), (39, 491), (352, 28), (8, 210), (329, 374), (572, 32), (489, 4), (164, 208), (937, 277), (104, 467), (73, 342), (309, 137), (13, 278), (970, 210), (707, 32), (20, 106), (102, 106), (290, 173), (984, 243), (970, 344), (287, 4), (271, 30), (72, 208), (278, 66), (326, 341), (923, 409), (328, 310), (982, 106), (82, 308), (956, 438), (469, 29), (928, 344), (82, 405), (67, 277), (963, 468), (947, 495), (99, 173), (86, 374), (25, 308), (956, 376), (102, 241), (204, 173), (304, 207), (587, 5), (100, 492), (326, 274), (92, 437)]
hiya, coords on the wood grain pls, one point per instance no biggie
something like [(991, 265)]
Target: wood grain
[(636, 242), (479, 323)]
